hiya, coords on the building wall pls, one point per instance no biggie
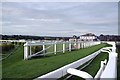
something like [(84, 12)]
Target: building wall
[(87, 38)]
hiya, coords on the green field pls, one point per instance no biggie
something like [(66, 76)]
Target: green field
[(15, 67)]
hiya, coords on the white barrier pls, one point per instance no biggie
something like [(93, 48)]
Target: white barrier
[(86, 75), (63, 70), (77, 45), (102, 67), (111, 67), (107, 70), (79, 73)]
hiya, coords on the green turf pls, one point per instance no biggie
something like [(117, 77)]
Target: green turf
[(15, 67)]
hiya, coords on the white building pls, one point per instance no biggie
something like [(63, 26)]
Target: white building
[(88, 37)]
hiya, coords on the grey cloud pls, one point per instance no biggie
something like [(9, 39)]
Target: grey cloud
[(59, 18)]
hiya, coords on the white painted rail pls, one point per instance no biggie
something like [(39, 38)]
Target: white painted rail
[(63, 70), (77, 45), (86, 75), (102, 68), (107, 70), (111, 67), (79, 73)]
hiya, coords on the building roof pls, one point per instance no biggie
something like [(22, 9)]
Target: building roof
[(89, 34)]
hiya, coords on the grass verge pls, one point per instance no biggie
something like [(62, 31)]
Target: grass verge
[(15, 67)]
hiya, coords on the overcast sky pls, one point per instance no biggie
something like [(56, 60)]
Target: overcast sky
[(59, 19)]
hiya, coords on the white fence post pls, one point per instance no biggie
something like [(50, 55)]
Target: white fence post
[(75, 44), (30, 51), (85, 45), (81, 44), (70, 46), (25, 51), (55, 48), (43, 49), (63, 47), (88, 44), (78, 45)]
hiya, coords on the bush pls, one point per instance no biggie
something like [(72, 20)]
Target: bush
[(12, 42), (15, 43), (22, 43), (19, 43), (36, 48), (7, 47)]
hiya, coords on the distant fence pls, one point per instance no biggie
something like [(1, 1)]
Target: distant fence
[(76, 45)]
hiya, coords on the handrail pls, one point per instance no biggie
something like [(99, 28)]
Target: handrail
[(107, 69), (111, 68), (63, 70), (77, 45), (102, 67), (79, 73)]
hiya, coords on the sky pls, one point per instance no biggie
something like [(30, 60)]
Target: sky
[(62, 19)]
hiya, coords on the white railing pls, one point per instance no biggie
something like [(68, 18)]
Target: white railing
[(107, 69), (63, 70), (86, 75), (79, 73), (102, 68), (77, 45), (111, 67)]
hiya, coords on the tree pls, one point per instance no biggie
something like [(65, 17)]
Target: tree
[(74, 36)]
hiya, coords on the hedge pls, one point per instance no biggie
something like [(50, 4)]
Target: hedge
[(36, 48), (7, 47)]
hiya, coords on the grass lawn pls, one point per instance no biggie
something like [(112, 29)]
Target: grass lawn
[(15, 67)]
